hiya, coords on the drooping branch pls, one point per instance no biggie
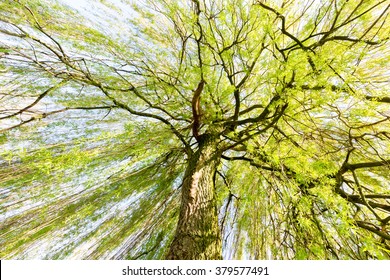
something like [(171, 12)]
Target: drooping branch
[(144, 114), (84, 76), (366, 200), (36, 101)]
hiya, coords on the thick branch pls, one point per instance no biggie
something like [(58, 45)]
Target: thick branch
[(378, 99), (42, 95), (275, 118), (260, 117), (373, 229), (44, 115)]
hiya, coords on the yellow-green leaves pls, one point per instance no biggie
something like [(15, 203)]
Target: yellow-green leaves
[(96, 125)]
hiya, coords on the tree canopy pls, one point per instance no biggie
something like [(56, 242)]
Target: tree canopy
[(155, 129)]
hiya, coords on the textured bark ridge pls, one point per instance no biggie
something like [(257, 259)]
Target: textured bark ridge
[(197, 234)]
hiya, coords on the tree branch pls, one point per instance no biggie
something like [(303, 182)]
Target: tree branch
[(143, 114), (42, 95), (371, 228), (44, 115), (355, 166)]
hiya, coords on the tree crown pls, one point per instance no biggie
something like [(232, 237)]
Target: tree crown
[(102, 107)]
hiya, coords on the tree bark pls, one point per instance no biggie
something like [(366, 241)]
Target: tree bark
[(197, 234)]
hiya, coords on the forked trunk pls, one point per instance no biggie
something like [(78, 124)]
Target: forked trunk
[(197, 234)]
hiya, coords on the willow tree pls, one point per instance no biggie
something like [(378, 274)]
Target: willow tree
[(197, 129)]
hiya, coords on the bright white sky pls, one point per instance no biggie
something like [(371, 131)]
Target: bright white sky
[(108, 19)]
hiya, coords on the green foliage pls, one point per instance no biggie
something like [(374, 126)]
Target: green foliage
[(96, 126)]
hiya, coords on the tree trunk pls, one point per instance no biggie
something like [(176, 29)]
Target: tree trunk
[(197, 234)]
